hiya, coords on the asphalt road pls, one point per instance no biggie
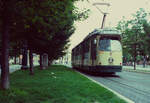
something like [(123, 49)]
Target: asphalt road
[(135, 86)]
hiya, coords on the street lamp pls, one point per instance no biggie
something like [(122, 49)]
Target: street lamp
[(105, 13)]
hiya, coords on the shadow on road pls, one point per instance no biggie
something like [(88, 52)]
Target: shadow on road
[(95, 74)]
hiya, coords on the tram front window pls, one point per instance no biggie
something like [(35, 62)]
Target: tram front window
[(104, 45), (109, 45), (116, 45)]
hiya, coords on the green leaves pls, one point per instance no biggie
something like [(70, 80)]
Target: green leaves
[(135, 34), (46, 25)]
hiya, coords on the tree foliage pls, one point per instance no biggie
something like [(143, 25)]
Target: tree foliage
[(135, 35), (45, 25)]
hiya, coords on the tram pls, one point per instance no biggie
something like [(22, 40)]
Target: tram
[(99, 52)]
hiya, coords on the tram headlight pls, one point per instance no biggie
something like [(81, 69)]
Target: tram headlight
[(95, 41)]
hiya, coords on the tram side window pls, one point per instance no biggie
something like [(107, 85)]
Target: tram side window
[(76, 53), (86, 46), (73, 55), (80, 50)]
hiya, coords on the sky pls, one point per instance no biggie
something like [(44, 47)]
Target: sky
[(117, 10)]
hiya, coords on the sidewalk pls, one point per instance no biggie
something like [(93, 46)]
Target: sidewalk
[(12, 68), (139, 68)]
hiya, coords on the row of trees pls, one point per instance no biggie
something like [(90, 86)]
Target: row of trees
[(35, 25), (135, 36)]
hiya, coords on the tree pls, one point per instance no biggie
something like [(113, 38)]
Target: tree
[(5, 10), (134, 35), (40, 24), (31, 62)]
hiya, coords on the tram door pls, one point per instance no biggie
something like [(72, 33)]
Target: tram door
[(93, 50)]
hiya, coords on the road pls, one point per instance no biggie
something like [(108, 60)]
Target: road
[(135, 86), (12, 68)]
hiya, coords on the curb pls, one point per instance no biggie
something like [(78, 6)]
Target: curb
[(116, 93), (137, 71)]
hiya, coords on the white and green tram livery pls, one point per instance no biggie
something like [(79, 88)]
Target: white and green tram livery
[(99, 52)]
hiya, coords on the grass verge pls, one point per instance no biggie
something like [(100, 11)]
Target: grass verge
[(57, 84)]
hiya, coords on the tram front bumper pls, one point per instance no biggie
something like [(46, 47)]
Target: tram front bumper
[(105, 68)]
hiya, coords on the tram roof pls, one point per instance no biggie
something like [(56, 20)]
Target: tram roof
[(104, 32)]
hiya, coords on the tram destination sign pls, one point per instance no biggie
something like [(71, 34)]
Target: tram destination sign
[(105, 31), (109, 32)]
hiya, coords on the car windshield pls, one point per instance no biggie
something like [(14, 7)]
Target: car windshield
[(110, 45)]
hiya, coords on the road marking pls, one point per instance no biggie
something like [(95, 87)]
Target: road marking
[(116, 93)]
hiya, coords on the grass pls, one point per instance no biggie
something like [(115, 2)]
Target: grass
[(57, 84)]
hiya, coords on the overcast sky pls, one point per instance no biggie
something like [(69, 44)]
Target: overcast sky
[(117, 10)]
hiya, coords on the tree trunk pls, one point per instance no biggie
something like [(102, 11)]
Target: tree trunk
[(31, 62), (19, 60), (41, 64), (135, 53), (45, 60), (15, 61), (144, 61), (5, 48), (0, 60), (25, 57), (49, 62)]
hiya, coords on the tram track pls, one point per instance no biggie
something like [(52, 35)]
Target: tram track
[(134, 86), (124, 85), (139, 91)]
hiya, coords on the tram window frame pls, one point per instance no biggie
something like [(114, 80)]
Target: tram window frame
[(73, 54), (77, 51), (82, 48)]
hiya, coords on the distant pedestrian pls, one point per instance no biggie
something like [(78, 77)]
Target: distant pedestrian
[(144, 61)]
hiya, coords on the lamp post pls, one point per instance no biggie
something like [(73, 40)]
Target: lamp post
[(104, 13)]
